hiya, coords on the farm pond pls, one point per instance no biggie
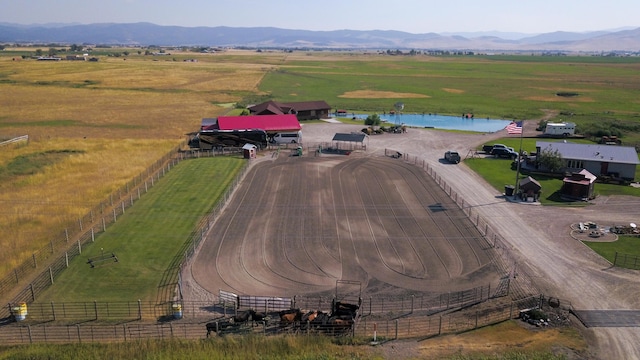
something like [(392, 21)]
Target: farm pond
[(465, 122)]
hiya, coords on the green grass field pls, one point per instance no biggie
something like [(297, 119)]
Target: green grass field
[(148, 236), (627, 245), (505, 86)]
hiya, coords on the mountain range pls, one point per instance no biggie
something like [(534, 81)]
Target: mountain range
[(145, 34)]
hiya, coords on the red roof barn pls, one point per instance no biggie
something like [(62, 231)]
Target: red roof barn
[(268, 123)]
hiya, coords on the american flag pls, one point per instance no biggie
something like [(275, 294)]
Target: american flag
[(514, 128)]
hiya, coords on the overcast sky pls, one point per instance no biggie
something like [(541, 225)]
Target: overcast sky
[(414, 16)]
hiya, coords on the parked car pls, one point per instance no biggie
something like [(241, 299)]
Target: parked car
[(508, 153), (452, 157)]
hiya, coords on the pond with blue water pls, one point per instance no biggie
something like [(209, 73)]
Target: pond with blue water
[(441, 122)]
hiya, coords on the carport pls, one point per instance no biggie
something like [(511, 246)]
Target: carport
[(350, 141)]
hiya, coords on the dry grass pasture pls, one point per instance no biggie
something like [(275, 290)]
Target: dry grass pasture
[(93, 126)]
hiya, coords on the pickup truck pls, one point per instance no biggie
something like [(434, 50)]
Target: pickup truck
[(488, 149), (452, 157), (508, 153)]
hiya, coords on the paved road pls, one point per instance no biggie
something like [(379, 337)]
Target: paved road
[(538, 237)]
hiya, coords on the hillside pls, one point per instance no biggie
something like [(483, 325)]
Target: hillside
[(145, 34)]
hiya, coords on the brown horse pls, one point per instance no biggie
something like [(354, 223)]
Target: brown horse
[(337, 325), (290, 317)]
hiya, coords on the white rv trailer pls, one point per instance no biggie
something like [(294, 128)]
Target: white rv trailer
[(560, 129)]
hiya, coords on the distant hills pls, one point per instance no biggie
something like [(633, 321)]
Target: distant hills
[(145, 34)]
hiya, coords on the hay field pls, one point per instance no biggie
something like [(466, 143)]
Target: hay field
[(93, 126)]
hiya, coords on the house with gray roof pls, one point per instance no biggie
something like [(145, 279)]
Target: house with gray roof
[(600, 160)]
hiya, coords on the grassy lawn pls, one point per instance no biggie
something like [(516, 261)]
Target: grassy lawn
[(627, 245), (148, 236)]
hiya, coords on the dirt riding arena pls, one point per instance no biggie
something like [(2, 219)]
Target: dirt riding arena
[(296, 225)]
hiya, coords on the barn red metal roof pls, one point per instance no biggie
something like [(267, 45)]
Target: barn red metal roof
[(269, 123)]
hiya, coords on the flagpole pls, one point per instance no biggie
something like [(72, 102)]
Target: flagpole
[(515, 193)]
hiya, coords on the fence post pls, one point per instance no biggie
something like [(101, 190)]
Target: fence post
[(93, 236), (79, 337), (53, 311), (396, 338), (412, 299), (66, 258), (95, 308), (51, 275), (35, 264), (615, 259), (139, 310), (79, 247)]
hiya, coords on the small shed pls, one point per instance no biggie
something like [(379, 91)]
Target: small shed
[(579, 185), (529, 187), (249, 151)]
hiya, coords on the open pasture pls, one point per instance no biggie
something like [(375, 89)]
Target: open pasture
[(93, 126), (509, 87)]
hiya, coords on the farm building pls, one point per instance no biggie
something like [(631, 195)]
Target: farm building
[(529, 188), (618, 162), (270, 123), (235, 131), (578, 186), (304, 110)]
